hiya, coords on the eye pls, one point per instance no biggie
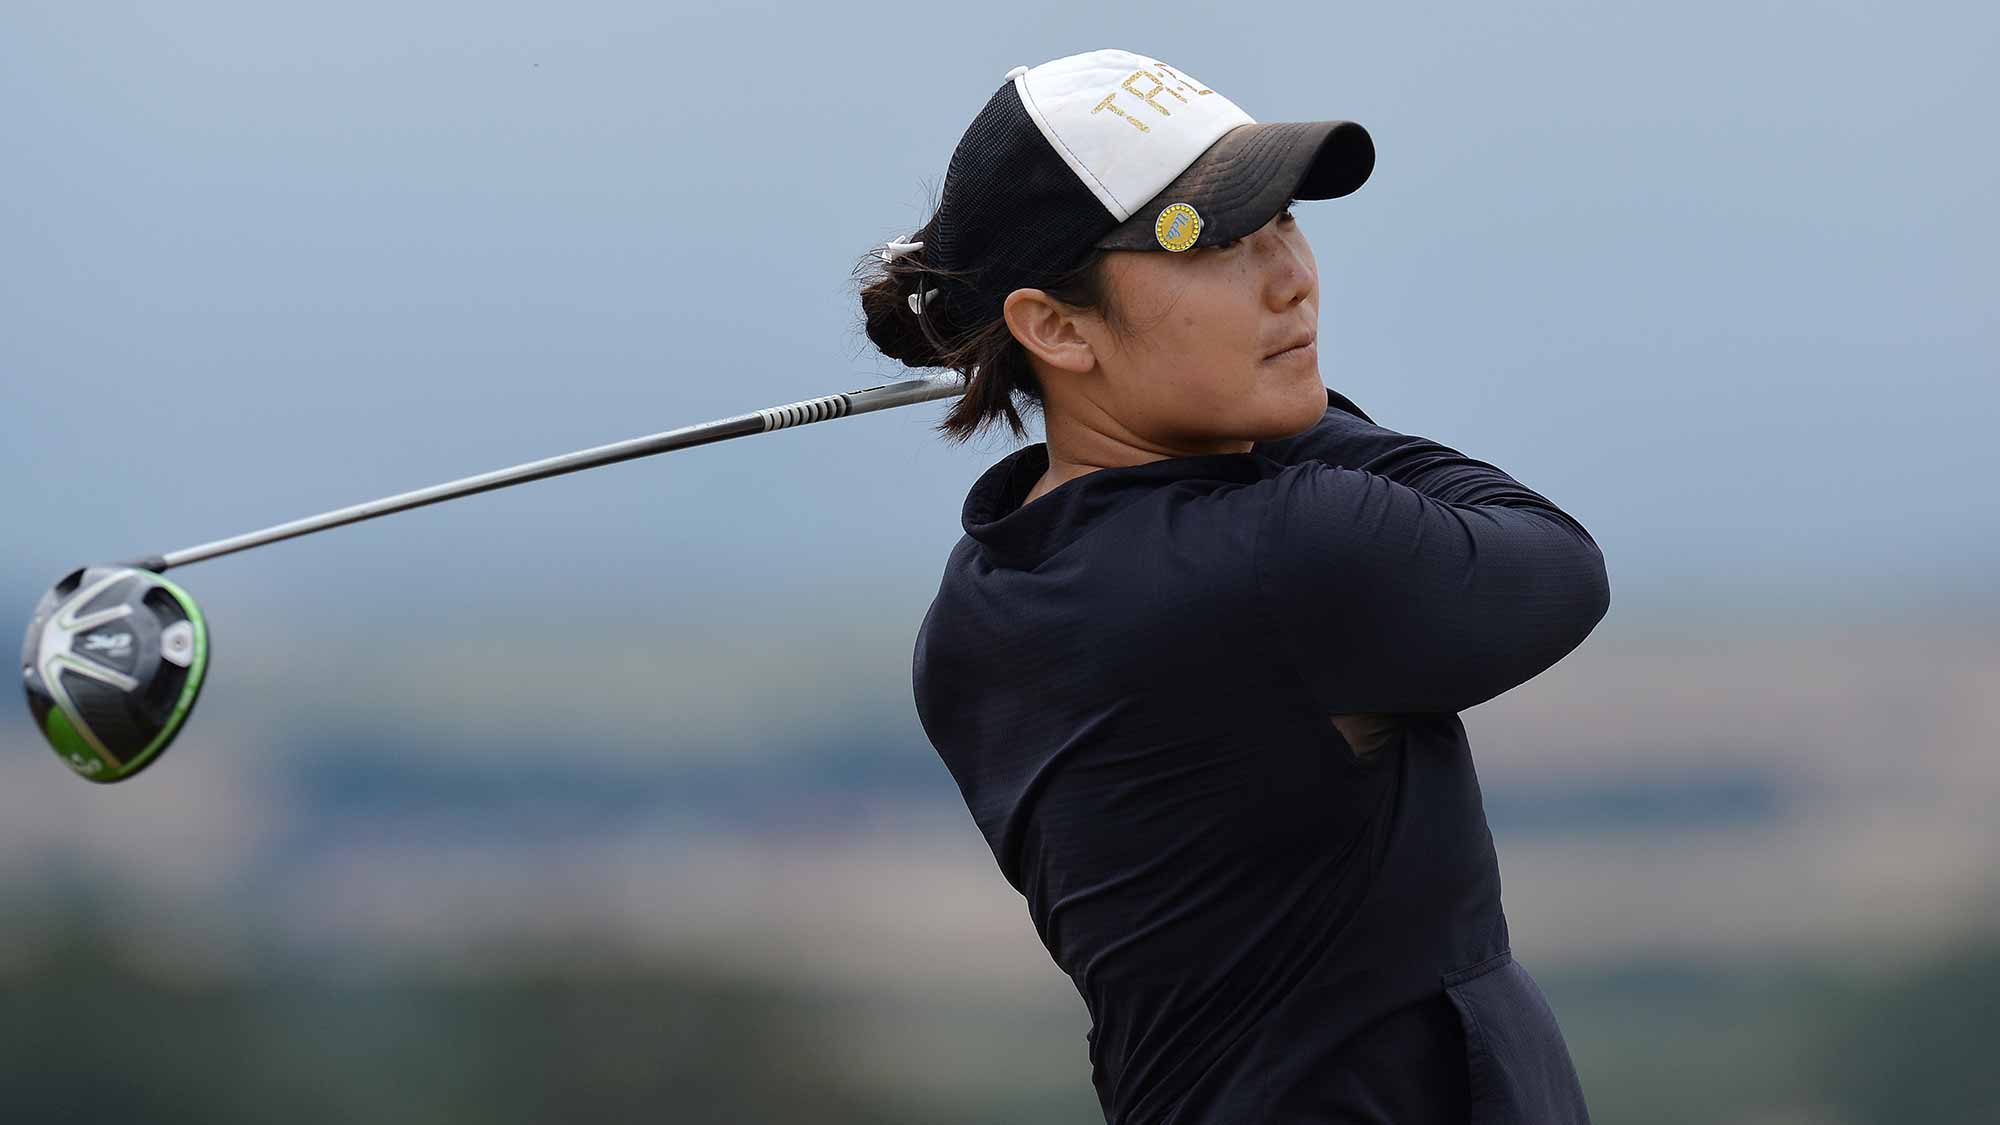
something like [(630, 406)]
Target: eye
[(1284, 217)]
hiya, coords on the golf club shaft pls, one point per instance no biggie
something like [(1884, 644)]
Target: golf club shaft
[(762, 421)]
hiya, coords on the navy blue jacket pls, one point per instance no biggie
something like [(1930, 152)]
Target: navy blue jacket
[(1134, 681)]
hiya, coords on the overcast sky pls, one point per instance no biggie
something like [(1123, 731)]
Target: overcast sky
[(1716, 278)]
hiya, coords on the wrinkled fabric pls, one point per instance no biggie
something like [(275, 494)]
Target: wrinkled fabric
[(1272, 915)]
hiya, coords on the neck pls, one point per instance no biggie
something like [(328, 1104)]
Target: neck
[(1086, 440)]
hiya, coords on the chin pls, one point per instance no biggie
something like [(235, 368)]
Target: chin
[(1292, 410), (1310, 401)]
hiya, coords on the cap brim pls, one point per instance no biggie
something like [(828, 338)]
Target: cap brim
[(1249, 174)]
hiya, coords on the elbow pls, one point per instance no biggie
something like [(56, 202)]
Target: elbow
[(1575, 593), (1592, 590), (1585, 582)]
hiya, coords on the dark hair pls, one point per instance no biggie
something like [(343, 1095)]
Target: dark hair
[(994, 363)]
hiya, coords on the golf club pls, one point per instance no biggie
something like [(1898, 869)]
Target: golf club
[(115, 654)]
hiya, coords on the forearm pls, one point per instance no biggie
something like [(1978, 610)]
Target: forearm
[(1408, 577), (1345, 438)]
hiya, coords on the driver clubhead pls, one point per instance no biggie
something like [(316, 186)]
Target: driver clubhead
[(113, 662)]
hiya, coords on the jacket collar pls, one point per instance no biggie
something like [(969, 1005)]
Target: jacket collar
[(1023, 537)]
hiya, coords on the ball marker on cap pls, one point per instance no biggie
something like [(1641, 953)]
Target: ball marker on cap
[(1177, 227)]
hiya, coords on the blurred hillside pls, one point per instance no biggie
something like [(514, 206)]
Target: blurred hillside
[(1669, 789), (1759, 857)]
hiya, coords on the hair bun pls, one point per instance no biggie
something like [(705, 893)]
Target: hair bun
[(892, 324), (955, 335)]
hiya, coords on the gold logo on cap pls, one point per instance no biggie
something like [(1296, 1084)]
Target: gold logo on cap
[(1177, 227)]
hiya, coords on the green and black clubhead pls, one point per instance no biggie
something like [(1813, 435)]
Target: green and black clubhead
[(113, 662)]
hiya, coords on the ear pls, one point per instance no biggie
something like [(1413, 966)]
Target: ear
[(1048, 329)]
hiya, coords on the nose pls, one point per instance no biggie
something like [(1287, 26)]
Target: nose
[(1290, 276)]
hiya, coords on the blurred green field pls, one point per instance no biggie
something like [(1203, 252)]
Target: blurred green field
[(572, 1036)]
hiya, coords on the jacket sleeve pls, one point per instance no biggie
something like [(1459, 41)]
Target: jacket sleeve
[(1400, 575)]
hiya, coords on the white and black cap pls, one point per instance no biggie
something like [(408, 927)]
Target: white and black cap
[(1121, 151)]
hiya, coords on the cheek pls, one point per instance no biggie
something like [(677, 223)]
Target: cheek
[(1197, 328), (1249, 326), (1217, 323), (1171, 323)]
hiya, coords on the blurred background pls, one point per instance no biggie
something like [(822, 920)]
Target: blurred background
[(604, 798)]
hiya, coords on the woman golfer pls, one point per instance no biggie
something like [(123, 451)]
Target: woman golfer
[(1197, 661)]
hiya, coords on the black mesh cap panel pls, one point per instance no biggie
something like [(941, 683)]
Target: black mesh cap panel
[(1011, 210)]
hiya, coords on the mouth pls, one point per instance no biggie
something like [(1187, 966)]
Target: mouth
[(1295, 350)]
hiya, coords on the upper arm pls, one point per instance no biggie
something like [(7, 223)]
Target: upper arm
[(1386, 599)]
